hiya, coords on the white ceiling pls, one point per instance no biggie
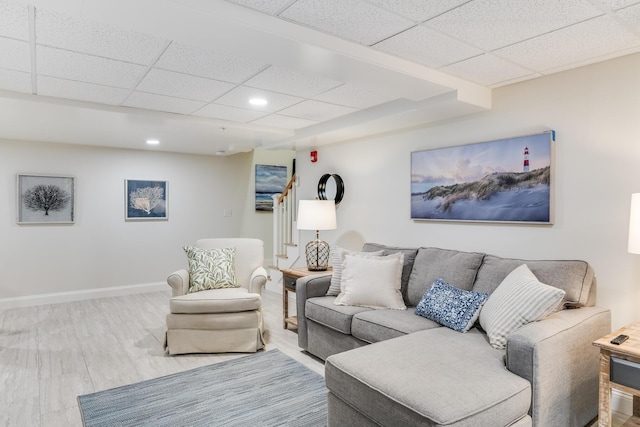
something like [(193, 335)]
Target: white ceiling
[(117, 72)]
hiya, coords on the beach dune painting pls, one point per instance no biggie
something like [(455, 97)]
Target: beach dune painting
[(507, 180), (270, 180)]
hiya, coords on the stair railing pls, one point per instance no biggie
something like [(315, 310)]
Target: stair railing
[(284, 215)]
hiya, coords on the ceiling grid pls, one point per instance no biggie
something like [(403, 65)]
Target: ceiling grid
[(326, 67)]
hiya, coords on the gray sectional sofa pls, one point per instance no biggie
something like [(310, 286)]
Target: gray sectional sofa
[(393, 367)]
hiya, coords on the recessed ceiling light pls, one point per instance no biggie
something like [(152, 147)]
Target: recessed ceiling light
[(258, 101), (153, 142)]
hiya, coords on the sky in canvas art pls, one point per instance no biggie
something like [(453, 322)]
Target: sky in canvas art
[(468, 163)]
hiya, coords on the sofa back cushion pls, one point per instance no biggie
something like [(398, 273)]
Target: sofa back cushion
[(409, 257), (576, 278), (457, 268)]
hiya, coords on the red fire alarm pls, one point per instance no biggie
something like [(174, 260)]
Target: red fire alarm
[(314, 156)]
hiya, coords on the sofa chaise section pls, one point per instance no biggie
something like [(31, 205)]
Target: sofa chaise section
[(427, 378)]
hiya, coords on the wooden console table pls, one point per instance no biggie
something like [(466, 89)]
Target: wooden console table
[(619, 363), (289, 277)]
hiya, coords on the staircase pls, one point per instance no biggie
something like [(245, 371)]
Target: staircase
[(285, 235)]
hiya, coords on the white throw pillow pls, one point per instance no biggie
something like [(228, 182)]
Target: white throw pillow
[(520, 299), (336, 259), (372, 282)]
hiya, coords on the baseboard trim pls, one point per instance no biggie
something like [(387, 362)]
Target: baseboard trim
[(621, 402), (60, 297)]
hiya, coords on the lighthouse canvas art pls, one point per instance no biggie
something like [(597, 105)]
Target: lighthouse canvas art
[(507, 180)]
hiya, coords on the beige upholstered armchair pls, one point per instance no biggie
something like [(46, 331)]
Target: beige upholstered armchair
[(219, 320)]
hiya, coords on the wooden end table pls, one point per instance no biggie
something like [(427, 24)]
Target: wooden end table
[(626, 369), (289, 277)]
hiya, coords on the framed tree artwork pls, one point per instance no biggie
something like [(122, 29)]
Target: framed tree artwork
[(146, 200), (45, 199)]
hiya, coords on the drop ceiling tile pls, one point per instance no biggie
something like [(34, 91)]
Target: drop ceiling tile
[(14, 21), (316, 110), (569, 45), (618, 4), (631, 15), (16, 81), (205, 63), (66, 32), (352, 96), (428, 47), (87, 68), (487, 70), (271, 7), (239, 97), (291, 82), (168, 104), (15, 55), (490, 24), (418, 10), (353, 20), (283, 122), (180, 85), (59, 88), (224, 112)]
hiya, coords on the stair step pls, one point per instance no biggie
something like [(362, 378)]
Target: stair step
[(282, 256), (294, 245)]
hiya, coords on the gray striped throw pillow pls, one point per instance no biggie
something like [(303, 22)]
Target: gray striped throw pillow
[(520, 299)]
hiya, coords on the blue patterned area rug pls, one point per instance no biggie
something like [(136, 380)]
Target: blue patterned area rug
[(263, 389)]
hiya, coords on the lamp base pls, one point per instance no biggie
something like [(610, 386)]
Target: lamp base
[(317, 252)]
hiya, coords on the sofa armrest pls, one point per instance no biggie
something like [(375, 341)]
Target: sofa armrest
[(557, 357), (179, 282), (308, 287), (258, 280)]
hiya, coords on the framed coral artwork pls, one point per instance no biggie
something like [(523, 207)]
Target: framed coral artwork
[(507, 180), (146, 200)]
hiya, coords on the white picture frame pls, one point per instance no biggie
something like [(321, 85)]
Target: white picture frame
[(45, 199)]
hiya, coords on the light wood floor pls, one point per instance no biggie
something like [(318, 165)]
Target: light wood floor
[(51, 354)]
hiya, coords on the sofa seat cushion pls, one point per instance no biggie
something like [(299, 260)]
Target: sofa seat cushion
[(229, 300), (379, 325), (428, 378), (322, 310)]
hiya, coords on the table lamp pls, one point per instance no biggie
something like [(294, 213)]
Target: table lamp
[(317, 215), (634, 225)]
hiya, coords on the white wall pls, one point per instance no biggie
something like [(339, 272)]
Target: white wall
[(259, 224), (595, 111), (101, 249)]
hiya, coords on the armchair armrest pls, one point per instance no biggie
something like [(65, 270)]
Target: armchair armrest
[(258, 280), (557, 357), (179, 282), (308, 287)]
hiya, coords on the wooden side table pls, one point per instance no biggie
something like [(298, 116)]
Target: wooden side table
[(619, 369), (289, 277)]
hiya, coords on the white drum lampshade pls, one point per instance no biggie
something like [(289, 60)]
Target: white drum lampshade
[(317, 215)]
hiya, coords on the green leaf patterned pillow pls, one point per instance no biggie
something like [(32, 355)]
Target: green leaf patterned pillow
[(211, 268)]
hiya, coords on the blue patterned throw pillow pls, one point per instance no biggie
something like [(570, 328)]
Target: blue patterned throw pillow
[(451, 307)]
